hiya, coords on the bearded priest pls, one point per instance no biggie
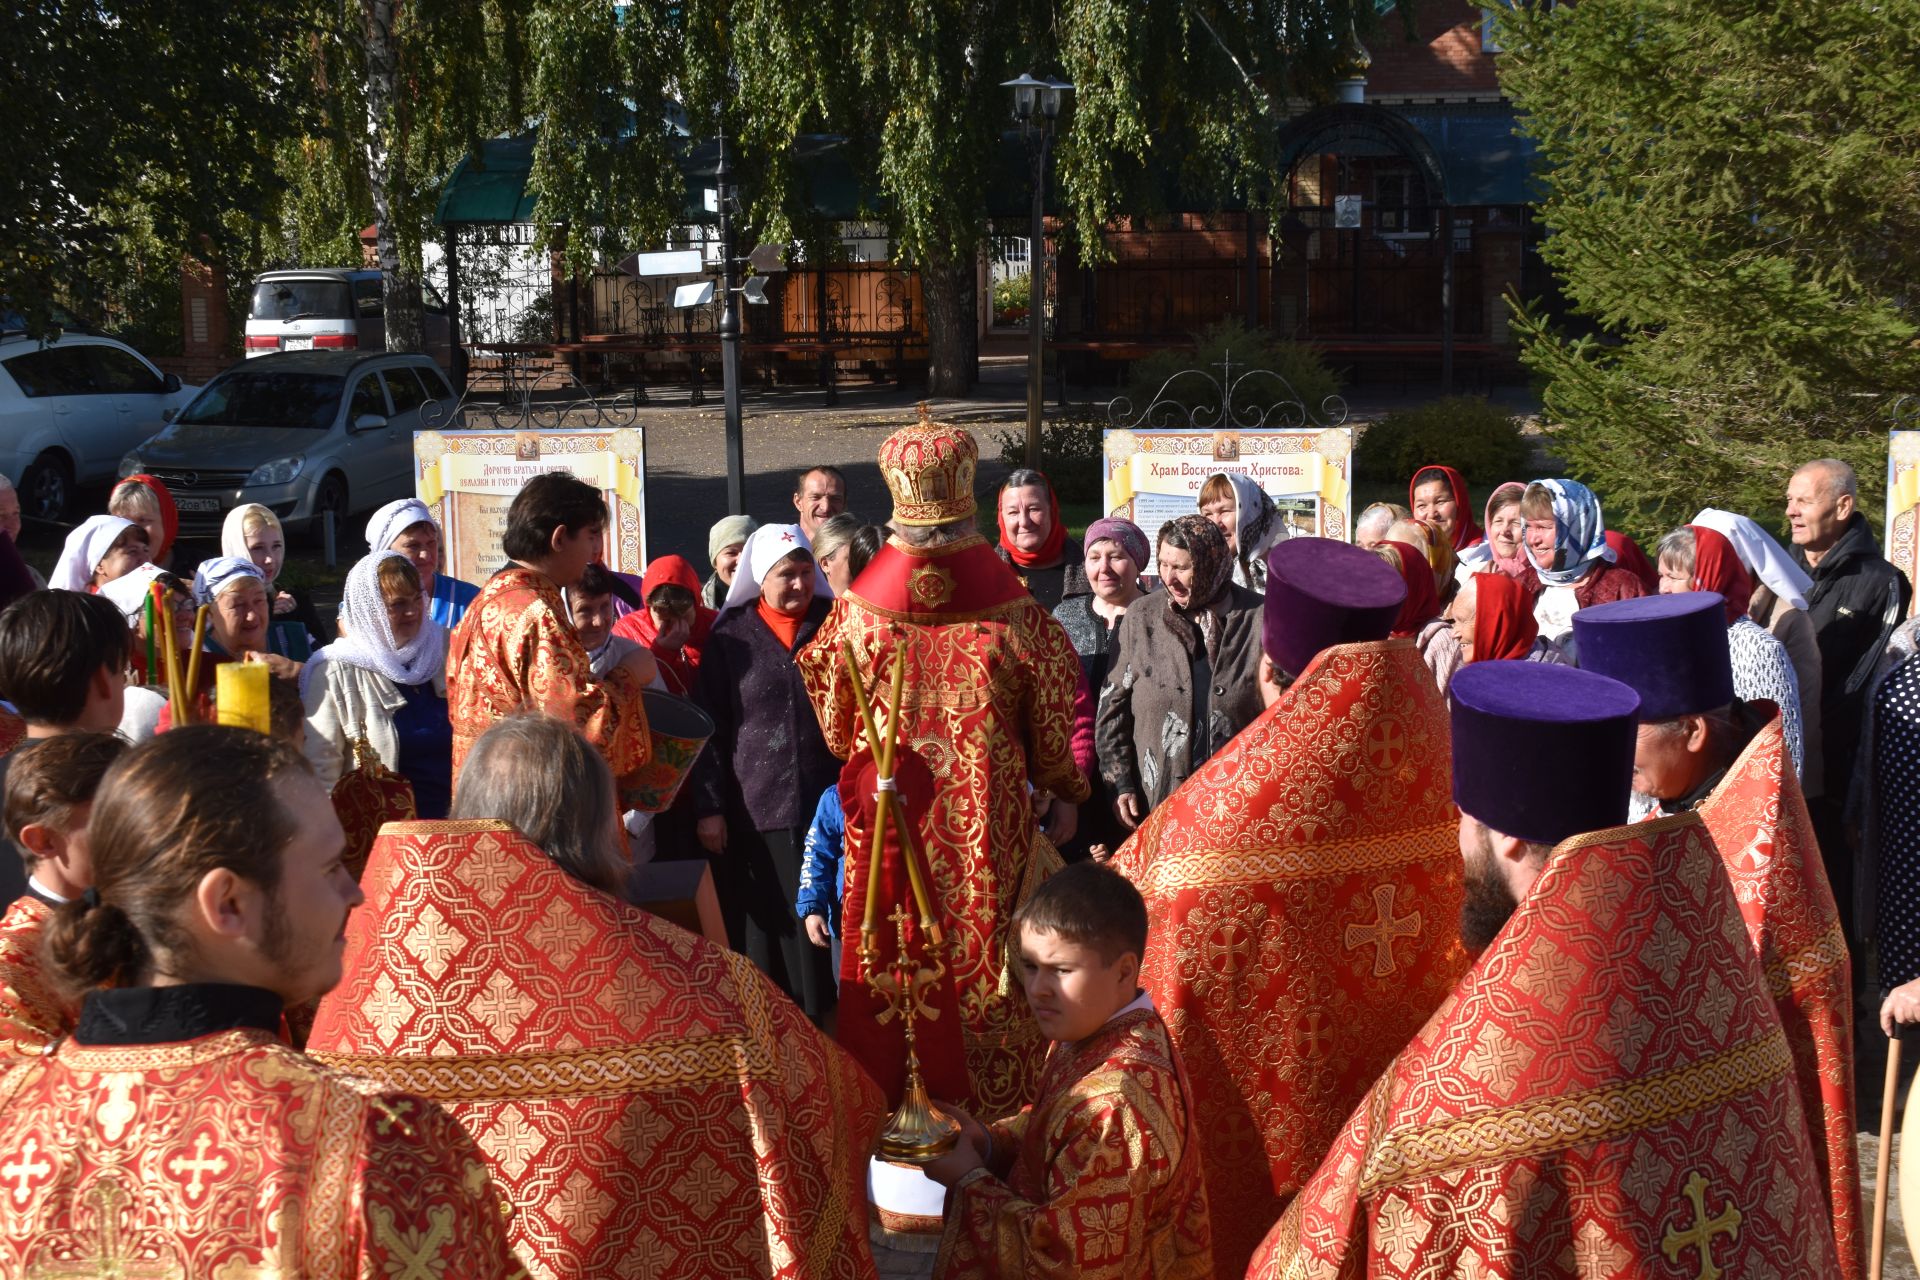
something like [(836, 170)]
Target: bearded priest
[(650, 1104), (1302, 887), (174, 1134), (988, 705), (1701, 748), (1609, 1091)]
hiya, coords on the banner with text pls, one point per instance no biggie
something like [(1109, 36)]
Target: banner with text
[(468, 479), (1154, 475), (1903, 504)]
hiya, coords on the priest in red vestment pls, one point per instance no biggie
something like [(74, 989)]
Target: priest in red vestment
[(49, 793), (1700, 750), (990, 679), (1609, 1091), (650, 1104), (1303, 887), (515, 648), (174, 1134)]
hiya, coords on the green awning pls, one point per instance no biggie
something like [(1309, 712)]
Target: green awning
[(491, 188)]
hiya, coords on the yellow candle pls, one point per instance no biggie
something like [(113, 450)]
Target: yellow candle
[(240, 695)]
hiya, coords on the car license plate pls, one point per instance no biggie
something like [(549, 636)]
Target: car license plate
[(198, 504), (296, 344)]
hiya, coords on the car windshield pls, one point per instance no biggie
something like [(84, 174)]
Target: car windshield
[(249, 398), (300, 299)]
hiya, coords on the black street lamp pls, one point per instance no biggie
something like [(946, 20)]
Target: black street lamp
[(1036, 105)]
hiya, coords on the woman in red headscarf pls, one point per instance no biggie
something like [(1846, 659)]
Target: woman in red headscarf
[(145, 501), (1696, 558), (671, 622), (1440, 494), (1420, 619), (1493, 620), (1032, 540)]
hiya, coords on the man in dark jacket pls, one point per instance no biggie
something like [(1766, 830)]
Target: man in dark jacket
[(1856, 601)]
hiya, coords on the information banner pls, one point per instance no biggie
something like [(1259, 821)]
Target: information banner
[(1154, 475), (468, 479), (1903, 503)]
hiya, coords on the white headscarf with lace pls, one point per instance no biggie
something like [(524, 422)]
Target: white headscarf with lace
[(366, 638)]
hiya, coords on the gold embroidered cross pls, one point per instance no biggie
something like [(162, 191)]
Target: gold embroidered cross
[(1384, 931), (197, 1165), (110, 1261), (1701, 1234), (24, 1170), (1385, 745)]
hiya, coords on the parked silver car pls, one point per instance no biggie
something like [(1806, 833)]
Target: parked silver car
[(302, 433), (70, 408)]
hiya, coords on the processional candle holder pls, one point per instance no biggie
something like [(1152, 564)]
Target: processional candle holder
[(918, 1131)]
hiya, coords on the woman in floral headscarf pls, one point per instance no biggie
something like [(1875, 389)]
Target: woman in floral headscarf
[(1567, 546), (1183, 680), (1253, 526)]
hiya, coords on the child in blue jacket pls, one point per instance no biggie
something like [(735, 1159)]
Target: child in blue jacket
[(823, 876)]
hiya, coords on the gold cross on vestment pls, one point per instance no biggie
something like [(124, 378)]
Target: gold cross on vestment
[(1384, 931), (1701, 1234), (197, 1165), (24, 1170), (108, 1262)]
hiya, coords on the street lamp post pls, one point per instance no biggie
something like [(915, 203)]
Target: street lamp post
[(730, 337), (1036, 105)]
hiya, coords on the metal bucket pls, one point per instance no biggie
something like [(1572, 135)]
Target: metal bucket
[(678, 730)]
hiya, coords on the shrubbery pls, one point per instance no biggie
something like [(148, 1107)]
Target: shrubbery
[(1070, 454), (1302, 367), (1466, 432)]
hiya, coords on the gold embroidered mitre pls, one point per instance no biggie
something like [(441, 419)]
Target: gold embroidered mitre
[(929, 470)]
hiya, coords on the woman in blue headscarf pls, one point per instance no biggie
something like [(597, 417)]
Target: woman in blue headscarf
[(1566, 541)]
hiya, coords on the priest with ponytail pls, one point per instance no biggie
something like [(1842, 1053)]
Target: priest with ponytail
[(173, 1128)]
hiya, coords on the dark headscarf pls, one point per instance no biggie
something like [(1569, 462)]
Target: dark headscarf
[(1200, 538)]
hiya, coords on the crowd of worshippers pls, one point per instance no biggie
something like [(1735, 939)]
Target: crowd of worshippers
[(214, 856)]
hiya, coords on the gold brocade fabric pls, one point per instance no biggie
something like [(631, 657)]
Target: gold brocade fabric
[(1303, 897), (1758, 820), (989, 706), (31, 1013), (649, 1103), (368, 797), (231, 1157), (1607, 1095), (515, 650), (1105, 1183)]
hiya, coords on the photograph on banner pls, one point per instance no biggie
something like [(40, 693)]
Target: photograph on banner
[(1903, 504), (468, 479), (1154, 475)]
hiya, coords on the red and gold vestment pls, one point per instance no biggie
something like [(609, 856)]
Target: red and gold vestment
[(32, 1014), (516, 650), (1105, 1179), (233, 1156), (1758, 820), (1303, 899), (650, 1104), (990, 677), (1608, 1094)]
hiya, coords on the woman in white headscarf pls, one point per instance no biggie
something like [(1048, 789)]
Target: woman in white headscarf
[(407, 526), (386, 678), (100, 550), (1779, 604), (253, 532), (1238, 507)]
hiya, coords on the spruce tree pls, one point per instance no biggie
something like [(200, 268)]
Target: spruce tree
[(1732, 197)]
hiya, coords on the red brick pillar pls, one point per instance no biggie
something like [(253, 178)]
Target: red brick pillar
[(205, 327)]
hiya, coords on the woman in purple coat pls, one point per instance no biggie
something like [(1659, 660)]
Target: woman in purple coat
[(757, 783)]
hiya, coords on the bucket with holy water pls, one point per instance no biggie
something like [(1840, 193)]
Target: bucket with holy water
[(678, 730)]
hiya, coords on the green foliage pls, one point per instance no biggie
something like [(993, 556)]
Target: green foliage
[(1307, 379), (1070, 454), (1011, 295), (1734, 198), (1465, 432)]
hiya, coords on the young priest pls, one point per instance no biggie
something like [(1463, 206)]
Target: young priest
[(48, 798), (1099, 1178)]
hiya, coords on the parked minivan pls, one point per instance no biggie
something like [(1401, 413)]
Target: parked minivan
[(338, 309)]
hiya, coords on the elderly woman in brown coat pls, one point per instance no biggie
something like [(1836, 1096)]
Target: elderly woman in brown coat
[(1183, 680)]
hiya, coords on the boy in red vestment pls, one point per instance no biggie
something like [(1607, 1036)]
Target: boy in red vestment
[(174, 1134), (1100, 1178), (515, 648), (49, 794)]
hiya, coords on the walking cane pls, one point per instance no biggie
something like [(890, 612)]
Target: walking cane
[(1884, 1166)]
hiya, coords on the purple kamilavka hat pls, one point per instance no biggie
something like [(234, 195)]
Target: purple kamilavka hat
[(1321, 593)]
